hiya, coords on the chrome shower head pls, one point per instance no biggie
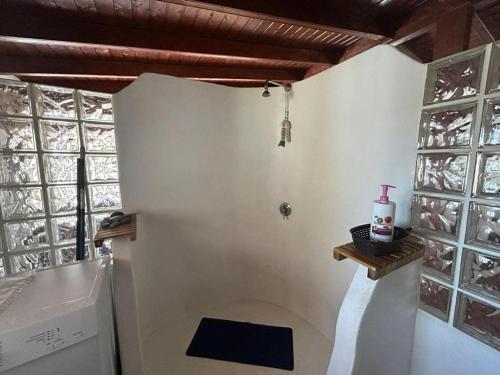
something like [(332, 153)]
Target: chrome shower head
[(266, 93)]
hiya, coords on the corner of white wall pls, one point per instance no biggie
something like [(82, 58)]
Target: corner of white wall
[(376, 324)]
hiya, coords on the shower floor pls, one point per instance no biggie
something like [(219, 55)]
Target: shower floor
[(167, 357)]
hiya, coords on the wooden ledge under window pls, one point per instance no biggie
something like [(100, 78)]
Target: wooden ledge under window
[(381, 266), (129, 229)]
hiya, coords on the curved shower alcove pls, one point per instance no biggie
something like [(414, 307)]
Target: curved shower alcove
[(200, 165)]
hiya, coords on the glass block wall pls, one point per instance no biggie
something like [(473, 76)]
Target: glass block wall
[(41, 130), (456, 205)]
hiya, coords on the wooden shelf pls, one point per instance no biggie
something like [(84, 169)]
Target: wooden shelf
[(129, 229), (381, 266)]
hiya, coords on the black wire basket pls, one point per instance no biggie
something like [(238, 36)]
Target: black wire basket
[(362, 242)]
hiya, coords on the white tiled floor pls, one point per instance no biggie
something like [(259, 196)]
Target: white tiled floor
[(164, 350)]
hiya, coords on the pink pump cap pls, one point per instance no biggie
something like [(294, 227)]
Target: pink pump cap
[(384, 198)]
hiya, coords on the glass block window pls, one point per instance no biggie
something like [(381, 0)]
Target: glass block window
[(478, 319), (64, 229), (441, 172), (447, 128), (55, 102), (490, 126), (99, 137), (14, 98), (454, 77), (481, 273), (440, 217), (439, 259), (19, 169), (435, 298), (487, 175), (60, 168), (105, 197), (62, 199), (102, 168), (96, 107), (41, 131), (26, 234), (483, 226), (494, 70), (16, 134), (59, 136), (65, 255), (30, 261), (456, 205), (22, 202)]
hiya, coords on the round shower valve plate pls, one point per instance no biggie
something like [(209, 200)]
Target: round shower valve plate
[(285, 209)]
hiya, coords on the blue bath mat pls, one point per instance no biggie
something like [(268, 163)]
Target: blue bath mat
[(253, 344)]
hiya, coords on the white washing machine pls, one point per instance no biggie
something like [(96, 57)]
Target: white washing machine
[(60, 323)]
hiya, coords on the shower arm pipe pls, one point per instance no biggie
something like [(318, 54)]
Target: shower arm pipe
[(287, 86)]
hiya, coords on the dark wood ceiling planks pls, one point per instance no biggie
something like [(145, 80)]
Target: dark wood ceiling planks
[(105, 44)]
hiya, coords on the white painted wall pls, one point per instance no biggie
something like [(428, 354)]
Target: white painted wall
[(441, 349), (354, 127), (125, 303), (200, 162), (374, 330)]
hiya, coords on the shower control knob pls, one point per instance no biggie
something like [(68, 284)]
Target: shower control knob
[(285, 209)]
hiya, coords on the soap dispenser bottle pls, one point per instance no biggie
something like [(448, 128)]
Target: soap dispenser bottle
[(382, 220)]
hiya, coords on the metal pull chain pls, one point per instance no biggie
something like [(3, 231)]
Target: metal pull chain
[(286, 125)]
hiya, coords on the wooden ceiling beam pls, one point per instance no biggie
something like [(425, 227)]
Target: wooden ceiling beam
[(104, 84), (361, 46), (423, 21), (40, 31), (479, 32), (483, 4), (101, 78), (453, 31), (27, 65), (448, 21), (282, 12), (110, 86)]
